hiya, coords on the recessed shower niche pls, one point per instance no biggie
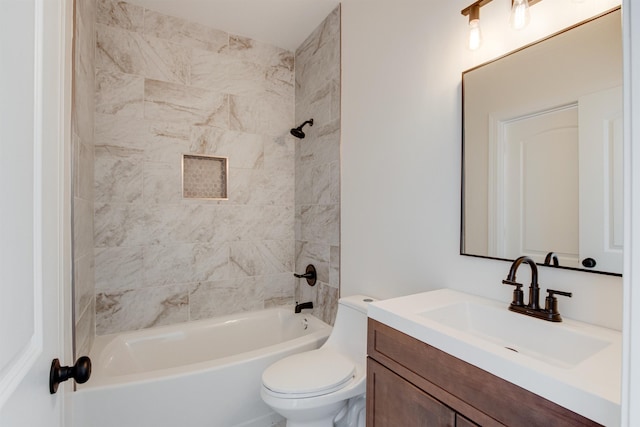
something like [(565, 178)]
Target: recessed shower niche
[(204, 177)]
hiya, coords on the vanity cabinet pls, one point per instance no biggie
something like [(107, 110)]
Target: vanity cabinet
[(410, 383)]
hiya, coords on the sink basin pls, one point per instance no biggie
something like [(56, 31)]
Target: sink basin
[(541, 340), (574, 364)]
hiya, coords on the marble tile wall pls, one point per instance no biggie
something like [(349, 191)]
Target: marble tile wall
[(166, 87), (82, 170), (83, 166), (317, 165)]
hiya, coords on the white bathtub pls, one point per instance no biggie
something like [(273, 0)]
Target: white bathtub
[(197, 374)]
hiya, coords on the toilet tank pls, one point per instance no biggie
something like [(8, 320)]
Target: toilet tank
[(349, 335)]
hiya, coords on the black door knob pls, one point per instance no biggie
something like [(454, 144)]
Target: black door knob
[(80, 372), (589, 262)]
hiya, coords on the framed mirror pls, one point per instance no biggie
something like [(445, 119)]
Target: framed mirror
[(542, 151)]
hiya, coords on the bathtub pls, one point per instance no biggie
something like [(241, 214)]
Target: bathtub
[(197, 374)]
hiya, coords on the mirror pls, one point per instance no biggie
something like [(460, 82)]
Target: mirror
[(542, 151)]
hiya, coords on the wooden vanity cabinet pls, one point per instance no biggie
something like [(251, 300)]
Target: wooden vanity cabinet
[(410, 383)]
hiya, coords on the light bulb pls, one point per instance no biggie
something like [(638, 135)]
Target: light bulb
[(519, 14), (475, 35)]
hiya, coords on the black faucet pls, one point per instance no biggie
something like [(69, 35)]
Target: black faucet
[(299, 307), (551, 258), (534, 290), (550, 311), (309, 274)]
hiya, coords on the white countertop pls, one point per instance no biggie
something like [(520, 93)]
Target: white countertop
[(590, 388)]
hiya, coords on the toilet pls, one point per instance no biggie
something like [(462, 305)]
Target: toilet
[(325, 387)]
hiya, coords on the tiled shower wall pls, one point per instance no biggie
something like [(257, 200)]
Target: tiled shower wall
[(166, 87), (82, 140), (318, 166)]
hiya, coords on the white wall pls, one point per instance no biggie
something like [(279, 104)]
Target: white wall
[(401, 145)]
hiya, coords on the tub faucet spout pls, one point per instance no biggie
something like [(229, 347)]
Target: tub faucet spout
[(299, 307)]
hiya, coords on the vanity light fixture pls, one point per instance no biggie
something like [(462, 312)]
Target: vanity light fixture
[(518, 19), (520, 15), (473, 12)]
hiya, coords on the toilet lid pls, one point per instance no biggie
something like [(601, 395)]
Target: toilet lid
[(308, 374)]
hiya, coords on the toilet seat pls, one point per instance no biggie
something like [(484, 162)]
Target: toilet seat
[(308, 374)]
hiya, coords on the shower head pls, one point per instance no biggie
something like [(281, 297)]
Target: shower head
[(297, 132)]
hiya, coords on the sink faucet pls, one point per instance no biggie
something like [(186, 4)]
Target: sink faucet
[(534, 289), (299, 307), (550, 311), (551, 258)]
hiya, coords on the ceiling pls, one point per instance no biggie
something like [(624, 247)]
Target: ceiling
[(284, 23)]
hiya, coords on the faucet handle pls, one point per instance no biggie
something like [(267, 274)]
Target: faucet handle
[(551, 293), (551, 302), (309, 274), (518, 295)]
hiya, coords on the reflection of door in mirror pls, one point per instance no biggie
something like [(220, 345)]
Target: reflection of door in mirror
[(560, 186), (540, 155), (601, 208)]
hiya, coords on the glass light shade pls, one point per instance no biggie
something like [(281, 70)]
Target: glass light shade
[(475, 35), (520, 15)]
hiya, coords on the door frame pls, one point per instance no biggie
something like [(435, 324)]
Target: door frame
[(631, 274), (61, 32), (58, 63)]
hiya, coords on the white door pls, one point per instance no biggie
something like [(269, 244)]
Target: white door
[(539, 186), (601, 198), (32, 211)]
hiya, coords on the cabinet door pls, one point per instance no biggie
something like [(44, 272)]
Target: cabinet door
[(464, 422), (393, 401)]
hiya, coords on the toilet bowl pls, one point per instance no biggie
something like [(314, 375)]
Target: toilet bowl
[(324, 387)]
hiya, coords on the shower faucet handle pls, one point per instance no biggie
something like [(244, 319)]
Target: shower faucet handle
[(309, 274), (304, 276)]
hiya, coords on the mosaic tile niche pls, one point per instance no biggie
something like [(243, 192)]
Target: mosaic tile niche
[(204, 177)]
